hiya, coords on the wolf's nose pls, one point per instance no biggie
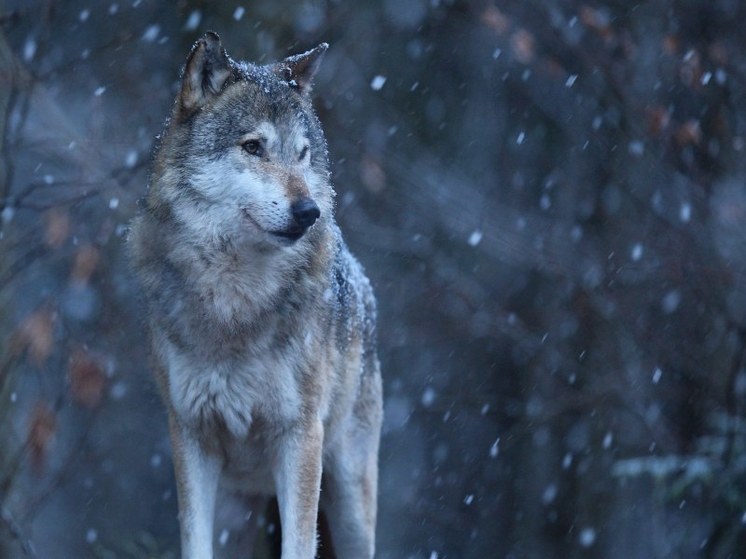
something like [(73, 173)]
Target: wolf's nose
[(305, 212)]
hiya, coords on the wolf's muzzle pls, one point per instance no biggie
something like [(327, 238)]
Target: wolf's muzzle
[(305, 213)]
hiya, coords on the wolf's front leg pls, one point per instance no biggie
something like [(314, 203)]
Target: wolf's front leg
[(298, 482), (197, 476)]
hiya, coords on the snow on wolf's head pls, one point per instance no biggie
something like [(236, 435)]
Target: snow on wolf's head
[(247, 147)]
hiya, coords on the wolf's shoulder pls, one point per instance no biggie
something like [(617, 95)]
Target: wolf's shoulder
[(351, 289)]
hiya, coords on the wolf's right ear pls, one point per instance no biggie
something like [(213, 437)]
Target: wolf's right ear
[(206, 71), (299, 70)]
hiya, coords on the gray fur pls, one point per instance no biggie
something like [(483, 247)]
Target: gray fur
[(263, 343)]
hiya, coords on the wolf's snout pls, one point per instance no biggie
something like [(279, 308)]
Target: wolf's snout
[(305, 212)]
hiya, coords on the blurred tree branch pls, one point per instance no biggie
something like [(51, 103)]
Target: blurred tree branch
[(8, 73), (23, 95), (15, 531)]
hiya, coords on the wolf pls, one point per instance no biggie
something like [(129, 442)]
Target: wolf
[(262, 323)]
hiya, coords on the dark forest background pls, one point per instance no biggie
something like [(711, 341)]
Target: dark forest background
[(549, 198)]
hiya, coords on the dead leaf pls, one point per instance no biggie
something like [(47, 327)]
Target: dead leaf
[(689, 133), (87, 379), (42, 427), (372, 175), (597, 20), (523, 46), (671, 44), (659, 118), (35, 334), (56, 227), (495, 20), (86, 260)]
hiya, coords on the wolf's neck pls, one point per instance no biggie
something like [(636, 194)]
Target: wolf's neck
[(236, 285)]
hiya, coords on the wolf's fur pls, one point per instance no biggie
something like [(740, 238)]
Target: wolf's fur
[(262, 322)]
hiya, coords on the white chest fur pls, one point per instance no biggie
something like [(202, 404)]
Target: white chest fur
[(230, 392)]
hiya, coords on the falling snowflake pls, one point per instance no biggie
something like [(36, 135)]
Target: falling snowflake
[(223, 539), (685, 212), (587, 537), (193, 20), (636, 147), (636, 252), (494, 449), (428, 397), (131, 159), (29, 49), (377, 82), (475, 238), (151, 33)]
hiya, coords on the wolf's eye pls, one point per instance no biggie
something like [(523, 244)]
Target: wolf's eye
[(254, 147), (303, 153)]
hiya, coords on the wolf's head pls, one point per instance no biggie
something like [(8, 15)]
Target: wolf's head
[(244, 155)]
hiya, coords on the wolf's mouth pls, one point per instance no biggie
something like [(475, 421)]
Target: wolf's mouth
[(290, 234)]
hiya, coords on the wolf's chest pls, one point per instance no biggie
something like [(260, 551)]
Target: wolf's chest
[(229, 394)]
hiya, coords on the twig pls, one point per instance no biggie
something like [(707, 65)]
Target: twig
[(15, 530), (731, 399)]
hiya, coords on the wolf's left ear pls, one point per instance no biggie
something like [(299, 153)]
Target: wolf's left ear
[(206, 71), (299, 70)]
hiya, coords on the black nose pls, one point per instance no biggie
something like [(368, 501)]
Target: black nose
[(305, 212)]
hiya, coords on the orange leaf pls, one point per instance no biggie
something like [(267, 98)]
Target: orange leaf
[(56, 227), (659, 118), (42, 427), (689, 133), (85, 264), (35, 334), (495, 20), (523, 46), (87, 379)]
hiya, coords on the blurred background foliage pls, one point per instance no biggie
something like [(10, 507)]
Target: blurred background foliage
[(549, 199)]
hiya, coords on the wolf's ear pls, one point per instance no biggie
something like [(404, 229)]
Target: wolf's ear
[(299, 70), (206, 71)]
